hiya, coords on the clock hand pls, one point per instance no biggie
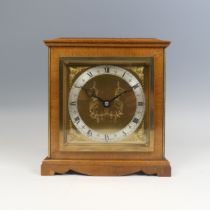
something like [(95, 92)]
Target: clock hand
[(93, 94), (128, 90)]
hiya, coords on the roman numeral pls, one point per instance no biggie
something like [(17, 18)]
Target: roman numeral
[(89, 133), (136, 86), (73, 103), (77, 86), (90, 74), (124, 74), (106, 137), (77, 119), (135, 120), (106, 69), (140, 103), (125, 134)]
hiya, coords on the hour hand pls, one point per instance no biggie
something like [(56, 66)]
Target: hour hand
[(99, 98), (91, 93)]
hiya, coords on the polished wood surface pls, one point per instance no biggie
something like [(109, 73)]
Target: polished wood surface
[(106, 167), (74, 47), (108, 42)]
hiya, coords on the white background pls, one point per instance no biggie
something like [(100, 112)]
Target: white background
[(23, 103)]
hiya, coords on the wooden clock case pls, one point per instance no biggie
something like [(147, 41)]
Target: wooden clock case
[(106, 163)]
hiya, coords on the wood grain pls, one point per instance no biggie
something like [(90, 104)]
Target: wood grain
[(108, 42), (106, 167)]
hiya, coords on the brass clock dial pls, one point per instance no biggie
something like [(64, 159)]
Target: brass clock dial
[(106, 103)]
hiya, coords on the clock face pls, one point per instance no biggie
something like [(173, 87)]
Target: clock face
[(106, 103)]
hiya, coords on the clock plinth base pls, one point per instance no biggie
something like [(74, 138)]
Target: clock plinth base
[(106, 167)]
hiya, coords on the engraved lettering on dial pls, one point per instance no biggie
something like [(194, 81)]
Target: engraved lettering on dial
[(106, 103)]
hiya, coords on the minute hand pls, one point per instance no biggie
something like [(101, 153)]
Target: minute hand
[(128, 90)]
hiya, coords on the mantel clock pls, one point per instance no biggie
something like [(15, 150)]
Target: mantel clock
[(106, 106)]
